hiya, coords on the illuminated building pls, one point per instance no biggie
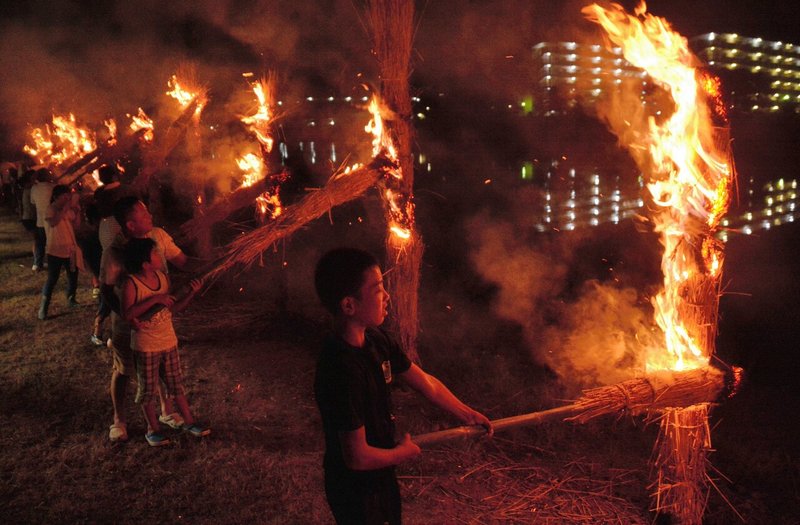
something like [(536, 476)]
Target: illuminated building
[(759, 75), (569, 75)]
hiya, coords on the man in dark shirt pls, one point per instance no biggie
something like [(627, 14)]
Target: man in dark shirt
[(354, 372)]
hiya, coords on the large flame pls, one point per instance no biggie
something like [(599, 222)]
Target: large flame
[(60, 142), (401, 211), (690, 177)]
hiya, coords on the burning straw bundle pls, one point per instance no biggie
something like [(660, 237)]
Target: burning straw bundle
[(222, 208), (340, 189), (156, 155), (107, 153)]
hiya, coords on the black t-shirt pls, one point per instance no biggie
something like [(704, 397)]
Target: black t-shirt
[(352, 390)]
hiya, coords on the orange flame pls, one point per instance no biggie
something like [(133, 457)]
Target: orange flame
[(142, 121), (259, 122), (64, 141), (691, 178), (185, 93), (253, 168), (401, 212), (111, 126)]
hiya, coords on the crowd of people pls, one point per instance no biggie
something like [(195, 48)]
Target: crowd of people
[(110, 233)]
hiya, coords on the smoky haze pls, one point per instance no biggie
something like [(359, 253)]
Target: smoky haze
[(100, 59)]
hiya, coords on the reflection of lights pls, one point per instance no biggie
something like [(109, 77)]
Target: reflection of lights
[(593, 221)]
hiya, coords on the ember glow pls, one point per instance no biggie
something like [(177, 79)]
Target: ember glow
[(690, 176), (62, 141), (268, 203), (253, 169), (111, 126), (401, 214), (142, 121), (184, 92)]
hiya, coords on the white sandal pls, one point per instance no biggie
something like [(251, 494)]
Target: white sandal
[(118, 432)]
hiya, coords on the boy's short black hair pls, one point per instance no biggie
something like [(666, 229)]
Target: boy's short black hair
[(122, 210), (339, 274), (136, 253)]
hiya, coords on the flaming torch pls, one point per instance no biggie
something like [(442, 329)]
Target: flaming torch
[(690, 172), (60, 142)]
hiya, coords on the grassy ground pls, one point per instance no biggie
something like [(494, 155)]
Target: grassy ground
[(249, 374)]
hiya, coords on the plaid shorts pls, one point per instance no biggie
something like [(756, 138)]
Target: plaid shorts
[(152, 365)]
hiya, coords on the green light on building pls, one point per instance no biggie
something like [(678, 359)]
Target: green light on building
[(527, 171), (527, 105)]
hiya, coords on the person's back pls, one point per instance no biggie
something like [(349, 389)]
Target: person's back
[(40, 197)]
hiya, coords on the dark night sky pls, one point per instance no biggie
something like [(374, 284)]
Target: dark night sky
[(107, 57)]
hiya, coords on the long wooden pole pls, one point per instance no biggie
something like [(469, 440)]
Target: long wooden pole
[(533, 418)]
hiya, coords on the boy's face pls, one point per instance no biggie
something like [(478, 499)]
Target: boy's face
[(140, 222), (155, 261), (372, 301)]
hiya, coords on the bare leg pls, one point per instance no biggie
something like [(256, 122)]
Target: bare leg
[(119, 386)]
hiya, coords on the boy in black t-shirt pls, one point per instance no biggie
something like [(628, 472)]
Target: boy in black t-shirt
[(354, 372)]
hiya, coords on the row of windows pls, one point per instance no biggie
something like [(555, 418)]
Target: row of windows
[(754, 42)]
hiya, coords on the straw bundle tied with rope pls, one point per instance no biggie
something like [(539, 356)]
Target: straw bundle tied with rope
[(340, 188), (222, 208), (246, 249)]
